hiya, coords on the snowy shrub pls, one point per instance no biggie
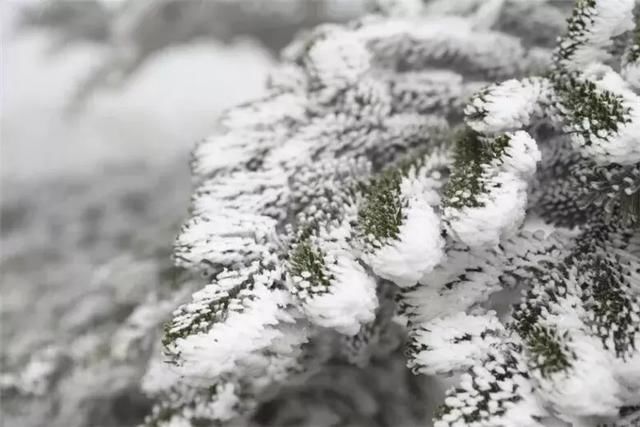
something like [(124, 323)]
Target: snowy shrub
[(387, 187)]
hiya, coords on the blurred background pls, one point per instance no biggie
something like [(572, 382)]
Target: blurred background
[(101, 104)]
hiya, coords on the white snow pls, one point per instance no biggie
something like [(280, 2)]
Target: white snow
[(350, 300), (447, 350), (505, 201), (610, 19), (508, 105), (419, 246)]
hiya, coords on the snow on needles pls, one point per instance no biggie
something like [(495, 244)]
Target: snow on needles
[(359, 198)]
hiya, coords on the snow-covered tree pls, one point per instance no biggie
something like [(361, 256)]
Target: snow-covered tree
[(387, 191)]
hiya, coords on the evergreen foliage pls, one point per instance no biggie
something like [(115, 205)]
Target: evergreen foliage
[(372, 194)]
